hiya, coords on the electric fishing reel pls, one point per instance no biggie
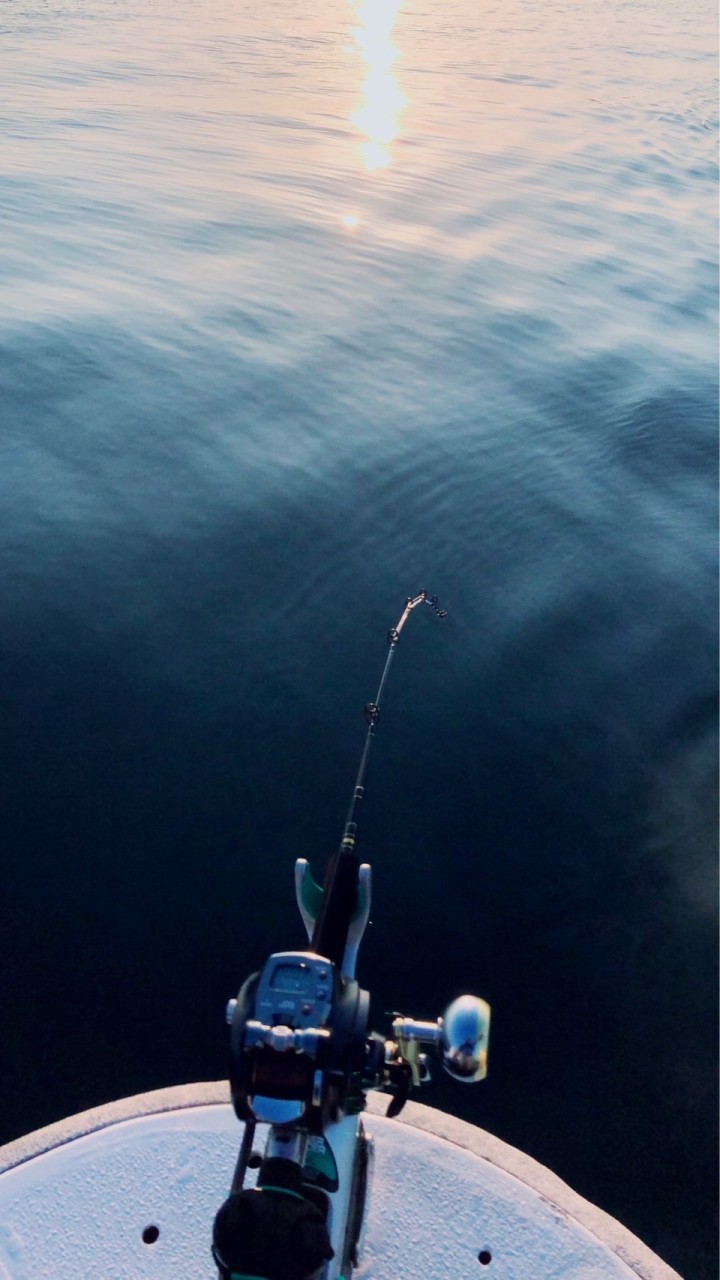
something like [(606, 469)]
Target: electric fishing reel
[(302, 1051), (300, 1045)]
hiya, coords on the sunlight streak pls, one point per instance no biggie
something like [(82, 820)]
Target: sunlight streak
[(383, 100)]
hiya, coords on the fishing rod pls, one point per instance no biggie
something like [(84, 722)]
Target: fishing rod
[(303, 1058), (329, 936)]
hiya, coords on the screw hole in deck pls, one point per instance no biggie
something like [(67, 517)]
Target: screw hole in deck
[(484, 1257), (150, 1234)]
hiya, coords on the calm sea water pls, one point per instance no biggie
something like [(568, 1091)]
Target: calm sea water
[(305, 307)]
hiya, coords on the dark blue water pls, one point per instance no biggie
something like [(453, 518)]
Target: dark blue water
[(305, 308)]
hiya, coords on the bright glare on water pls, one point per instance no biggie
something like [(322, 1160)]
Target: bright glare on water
[(382, 98), (305, 307)]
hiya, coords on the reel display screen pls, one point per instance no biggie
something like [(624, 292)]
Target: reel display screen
[(294, 979), (296, 989)]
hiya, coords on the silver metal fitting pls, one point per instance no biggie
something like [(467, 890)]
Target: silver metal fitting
[(285, 1039), (410, 1029)]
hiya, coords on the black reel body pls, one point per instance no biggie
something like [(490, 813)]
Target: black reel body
[(299, 1043)]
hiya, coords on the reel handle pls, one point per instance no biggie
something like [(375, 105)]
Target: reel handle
[(461, 1037)]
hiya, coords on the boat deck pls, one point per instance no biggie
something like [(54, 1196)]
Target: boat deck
[(130, 1190)]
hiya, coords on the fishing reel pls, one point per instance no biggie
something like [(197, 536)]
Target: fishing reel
[(300, 1045), (302, 1051)]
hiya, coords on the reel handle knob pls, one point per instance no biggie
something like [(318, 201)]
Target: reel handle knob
[(464, 1035)]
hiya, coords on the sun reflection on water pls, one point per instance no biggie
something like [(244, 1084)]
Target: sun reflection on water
[(383, 100)]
